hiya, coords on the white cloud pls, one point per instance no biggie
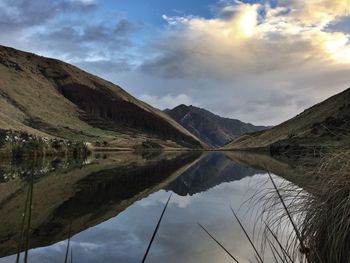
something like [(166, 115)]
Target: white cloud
[(247, 43), (317, 12), (247, 52), (253, 62), (85, 2), (167, 101)]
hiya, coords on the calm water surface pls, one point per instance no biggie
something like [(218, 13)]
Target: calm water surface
[(109, 205)]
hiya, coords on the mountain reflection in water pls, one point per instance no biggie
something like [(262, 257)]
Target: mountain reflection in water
[(111, 203)]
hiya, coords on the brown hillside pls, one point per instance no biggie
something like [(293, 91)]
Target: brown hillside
[(325, 124), (51, 98)]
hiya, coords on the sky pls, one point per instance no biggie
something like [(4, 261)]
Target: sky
[(261, 61)]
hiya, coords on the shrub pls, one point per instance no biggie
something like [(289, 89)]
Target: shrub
[(17, 152), (2, 137), (148, 144), (56, 145)]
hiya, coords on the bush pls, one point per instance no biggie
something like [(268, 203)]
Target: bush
[(148, 144), (17, 152), (33, 145), (79, 149), (2, 137)]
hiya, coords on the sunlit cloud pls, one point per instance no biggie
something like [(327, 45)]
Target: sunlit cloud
[(259, 61), (247, 52), (254, 32), (317, 12)]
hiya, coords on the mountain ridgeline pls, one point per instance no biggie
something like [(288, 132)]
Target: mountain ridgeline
[(323, 126), (212, 129), (210, 171), (50, 98), (45, 99)]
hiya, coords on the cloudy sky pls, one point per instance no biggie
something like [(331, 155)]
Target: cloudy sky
[(261, 61)]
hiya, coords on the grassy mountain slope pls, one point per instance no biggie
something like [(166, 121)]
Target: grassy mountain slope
[(325, 124), (210, 128), (48, 97)]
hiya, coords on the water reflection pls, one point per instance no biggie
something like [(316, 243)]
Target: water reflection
[(212, 170), (112, 203)]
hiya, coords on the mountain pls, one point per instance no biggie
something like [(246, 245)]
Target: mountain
[(50, 98), (212, 129), (210, 171), (324, 125)]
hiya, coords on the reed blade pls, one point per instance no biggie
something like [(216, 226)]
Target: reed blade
[(68, 244), (284, 251), (155, 230), (217, 242), (29, 217), (248, 237), (290, 217), (20, 241)]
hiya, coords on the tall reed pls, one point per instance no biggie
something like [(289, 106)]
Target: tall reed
[(25, 232), (319, 214), (155, 230), (309, 224)]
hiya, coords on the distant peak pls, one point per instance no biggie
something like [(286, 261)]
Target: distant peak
[(181, 106), (186, 106)]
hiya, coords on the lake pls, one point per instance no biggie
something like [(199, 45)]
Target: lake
[(106, 207)]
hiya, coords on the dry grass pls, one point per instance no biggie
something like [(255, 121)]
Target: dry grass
[(316, 223), (328, 115), (295, 225), (326, 222)]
